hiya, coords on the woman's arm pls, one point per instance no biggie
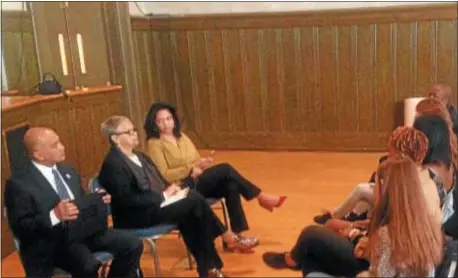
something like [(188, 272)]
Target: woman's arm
[(337, 224)]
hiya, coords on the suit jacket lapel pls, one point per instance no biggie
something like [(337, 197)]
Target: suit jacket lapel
[(43, 183)]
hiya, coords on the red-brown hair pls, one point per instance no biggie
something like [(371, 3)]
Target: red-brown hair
[(400, 206), (409, 141), (432, 106)]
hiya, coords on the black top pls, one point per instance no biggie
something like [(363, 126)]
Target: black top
[(134, 204)]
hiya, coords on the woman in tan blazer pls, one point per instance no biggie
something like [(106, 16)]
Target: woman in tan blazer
[(178, 160)]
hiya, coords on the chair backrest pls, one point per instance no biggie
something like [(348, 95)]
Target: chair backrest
[(93, 185), (15, 240)]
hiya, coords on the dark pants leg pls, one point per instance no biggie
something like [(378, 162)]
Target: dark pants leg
[(321, 249), (42, 266), (223, 181), (199, 227), (127, 249)]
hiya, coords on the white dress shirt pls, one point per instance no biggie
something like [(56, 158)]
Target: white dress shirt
[(46, 171)]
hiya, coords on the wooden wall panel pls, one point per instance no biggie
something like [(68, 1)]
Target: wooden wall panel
[(19, 51), (327, 80)]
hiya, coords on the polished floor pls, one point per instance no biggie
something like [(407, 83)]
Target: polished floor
[(312, 182)]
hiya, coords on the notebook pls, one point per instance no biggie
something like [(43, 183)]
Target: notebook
[(175, 198), (92, 218)]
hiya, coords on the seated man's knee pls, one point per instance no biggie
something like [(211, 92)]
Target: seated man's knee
[(226, 167)]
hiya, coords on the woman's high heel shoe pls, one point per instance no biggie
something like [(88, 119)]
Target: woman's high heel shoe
[(241, 244), (270, 208), (281, 201)]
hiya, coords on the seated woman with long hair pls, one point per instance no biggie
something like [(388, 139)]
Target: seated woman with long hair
[(331, 248), (405, 240), (363, 192), (439, 160), (407, 140), (178, 160)]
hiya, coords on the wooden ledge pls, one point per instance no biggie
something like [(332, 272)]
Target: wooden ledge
[(11, 102)]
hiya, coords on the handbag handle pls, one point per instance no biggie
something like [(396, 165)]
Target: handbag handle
[(48, 74)]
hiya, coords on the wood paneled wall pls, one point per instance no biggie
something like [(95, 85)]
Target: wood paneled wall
[(77, 123), (19, 51), (328, 80)]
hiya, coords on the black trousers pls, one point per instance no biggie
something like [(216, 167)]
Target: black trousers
[(77, 258), (223, 181), (199, 226), (323, 250)]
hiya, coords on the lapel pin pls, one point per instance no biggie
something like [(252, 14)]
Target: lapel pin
[(68, 176)]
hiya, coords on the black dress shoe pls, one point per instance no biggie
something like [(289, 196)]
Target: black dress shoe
[(277, 261), (322, 218), (352, 217)]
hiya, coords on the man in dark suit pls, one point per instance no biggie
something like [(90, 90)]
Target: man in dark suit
[(138, 190), (39, 203), (443, 93)]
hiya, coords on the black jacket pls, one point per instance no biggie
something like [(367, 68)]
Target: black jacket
[(132, 206)]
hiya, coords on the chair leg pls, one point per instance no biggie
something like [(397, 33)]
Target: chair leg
[(452, 269), (155, 255), (190, 262), (226, 221), (225, 217)]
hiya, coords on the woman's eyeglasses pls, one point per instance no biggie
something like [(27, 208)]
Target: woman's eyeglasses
[(130, 132)]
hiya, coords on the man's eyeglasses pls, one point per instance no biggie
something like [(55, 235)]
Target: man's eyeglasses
[(130, 132)]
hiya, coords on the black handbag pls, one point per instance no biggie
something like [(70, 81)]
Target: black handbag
[(92, 218), (49, 85)]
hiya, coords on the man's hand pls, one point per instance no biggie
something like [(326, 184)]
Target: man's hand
[(196, 172), (104, 269), (205, 162), (171, 190), (105, 196), (66, 210)]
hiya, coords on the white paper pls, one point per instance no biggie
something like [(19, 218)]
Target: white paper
[(410, 105)]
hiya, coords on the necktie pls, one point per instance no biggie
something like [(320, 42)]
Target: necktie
[(60, 186)]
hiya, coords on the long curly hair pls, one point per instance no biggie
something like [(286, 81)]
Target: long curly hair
[(409, 141), (432, 106), (150, 126), (415, 237)]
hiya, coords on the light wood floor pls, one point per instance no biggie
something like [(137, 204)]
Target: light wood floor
[(312, 181)]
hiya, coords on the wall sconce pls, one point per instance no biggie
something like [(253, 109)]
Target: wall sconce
[(79, 41), (63, 57)]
